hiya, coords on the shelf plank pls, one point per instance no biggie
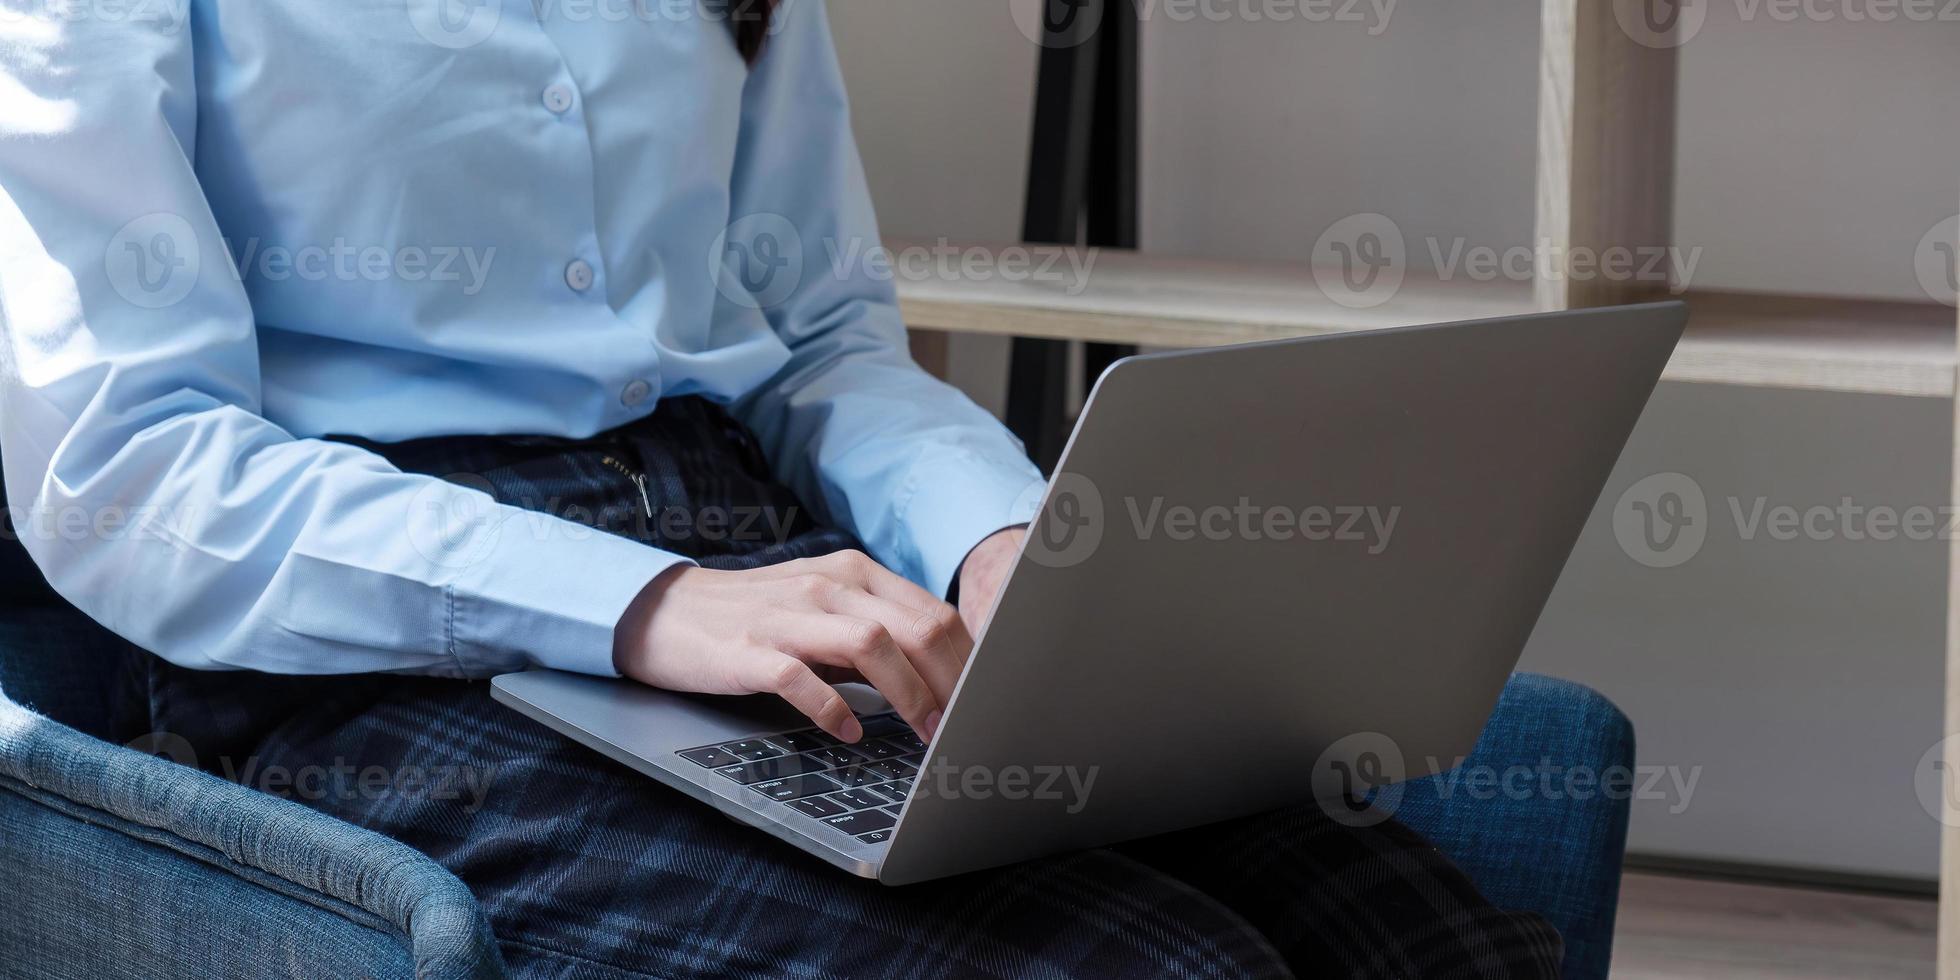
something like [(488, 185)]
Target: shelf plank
[(1821, 344), (1818, 344), (1152, 301)]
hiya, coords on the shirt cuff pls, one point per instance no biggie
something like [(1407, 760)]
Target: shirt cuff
[(958, 503), (549, 593)]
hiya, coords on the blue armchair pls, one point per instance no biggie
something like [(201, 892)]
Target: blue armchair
[(116, 863)]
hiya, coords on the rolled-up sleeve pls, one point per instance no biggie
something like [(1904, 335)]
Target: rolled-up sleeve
[(908, 463), (142, 476)]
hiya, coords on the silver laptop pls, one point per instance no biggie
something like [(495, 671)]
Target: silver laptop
[(1263, 576)]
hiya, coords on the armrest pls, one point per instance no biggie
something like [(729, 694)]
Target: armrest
[(116, 863), (1556, 854)]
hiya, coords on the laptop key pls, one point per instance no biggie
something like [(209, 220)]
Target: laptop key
[(892, 768), (885, 724), (889, 792), (838, 756), (859, 776), (796, 741), (894, 811), (862, 822), (875, 837), (752, 750), (709, 757), (878, 749), (909, 741), (781, 767), (818, 806), (795, 787), (857, 799)]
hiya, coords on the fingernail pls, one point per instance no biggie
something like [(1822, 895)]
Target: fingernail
[(852, 730), (932, 723)]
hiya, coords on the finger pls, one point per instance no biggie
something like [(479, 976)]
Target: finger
[(934, 642), (866, 646), (774, 672)]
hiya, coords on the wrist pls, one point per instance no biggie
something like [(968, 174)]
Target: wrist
[(629, 635), (986, 565)]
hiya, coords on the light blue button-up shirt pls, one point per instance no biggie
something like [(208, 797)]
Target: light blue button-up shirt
[(231, 227)]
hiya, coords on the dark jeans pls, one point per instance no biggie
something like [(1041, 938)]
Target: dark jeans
[(588, 869)]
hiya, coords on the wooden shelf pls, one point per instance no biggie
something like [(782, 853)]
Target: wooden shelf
[(1154, 301), (1819, 344), (1822, 344)]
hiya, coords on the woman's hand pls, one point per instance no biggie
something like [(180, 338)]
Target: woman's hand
[(795, 629)]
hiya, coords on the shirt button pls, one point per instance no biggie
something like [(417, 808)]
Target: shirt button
[(636, 392), (578, 275), (558, 98)]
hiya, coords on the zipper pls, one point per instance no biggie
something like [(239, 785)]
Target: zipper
[(639, 481)]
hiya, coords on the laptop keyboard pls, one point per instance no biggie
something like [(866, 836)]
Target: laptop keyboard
[(855, 789)]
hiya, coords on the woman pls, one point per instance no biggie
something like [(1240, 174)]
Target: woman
[(445, 339)]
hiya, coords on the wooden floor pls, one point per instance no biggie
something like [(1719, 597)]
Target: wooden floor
[(1695, 929)]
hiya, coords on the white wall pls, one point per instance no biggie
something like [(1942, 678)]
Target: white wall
[(1259, 135), (1814, 157), (1803, 677), (941, 97)]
